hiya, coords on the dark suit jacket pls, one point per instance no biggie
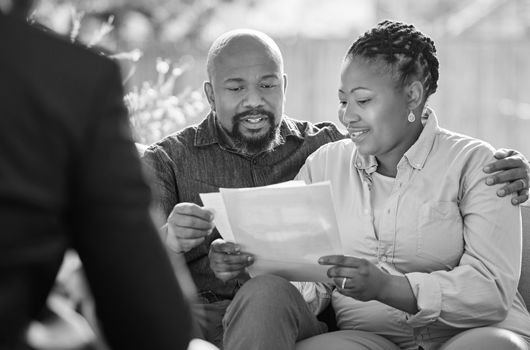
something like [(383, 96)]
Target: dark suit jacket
[(70, 177)]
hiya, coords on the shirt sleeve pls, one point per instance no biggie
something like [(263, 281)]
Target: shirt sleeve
[(481, 289), (317, 295), (139, 302), (157, 167)]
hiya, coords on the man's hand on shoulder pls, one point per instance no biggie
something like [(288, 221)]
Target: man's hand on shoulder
[(514, 169)]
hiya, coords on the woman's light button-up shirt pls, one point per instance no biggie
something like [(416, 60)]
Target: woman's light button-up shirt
[(442, 227)]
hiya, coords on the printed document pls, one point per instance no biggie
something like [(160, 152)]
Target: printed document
[(286, 227)]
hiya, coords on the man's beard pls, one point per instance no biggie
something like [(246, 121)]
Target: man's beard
[(250, 145)]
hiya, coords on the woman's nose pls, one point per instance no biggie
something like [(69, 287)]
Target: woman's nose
[(349, 115)]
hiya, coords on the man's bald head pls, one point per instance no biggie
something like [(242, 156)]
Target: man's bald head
[(241, 42)]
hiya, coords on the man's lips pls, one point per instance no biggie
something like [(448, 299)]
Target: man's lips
[(255, 121)]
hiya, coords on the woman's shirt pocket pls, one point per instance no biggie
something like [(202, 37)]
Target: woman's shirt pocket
[(440, 233)]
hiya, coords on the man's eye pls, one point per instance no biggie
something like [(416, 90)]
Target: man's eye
[(267, 86), (362, 102), (343, 103), (235, 88)]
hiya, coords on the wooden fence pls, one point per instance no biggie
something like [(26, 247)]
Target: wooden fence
[(484, 87)]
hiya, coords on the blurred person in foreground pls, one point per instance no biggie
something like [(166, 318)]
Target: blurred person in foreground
[(247, 141), (70, 177)]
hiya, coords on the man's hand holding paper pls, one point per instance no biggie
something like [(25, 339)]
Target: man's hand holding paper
[(228, 262), (187, 225)]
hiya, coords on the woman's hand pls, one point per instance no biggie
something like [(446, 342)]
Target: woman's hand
[(362, 280), (354, 277)]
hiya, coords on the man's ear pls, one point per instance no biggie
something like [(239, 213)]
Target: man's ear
[(414, 94), (208, 91)]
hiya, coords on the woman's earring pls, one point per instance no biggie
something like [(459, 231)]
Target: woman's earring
[(411, 117)]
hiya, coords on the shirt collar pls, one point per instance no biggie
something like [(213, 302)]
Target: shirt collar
[(417, 154), (208, 134)]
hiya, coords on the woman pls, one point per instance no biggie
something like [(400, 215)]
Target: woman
[(435, 261)]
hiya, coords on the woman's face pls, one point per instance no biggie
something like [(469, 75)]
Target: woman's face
[(373, 110)]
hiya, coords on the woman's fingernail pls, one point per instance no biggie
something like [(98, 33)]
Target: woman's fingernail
[(502, 192), (487, 169), (489, 181)]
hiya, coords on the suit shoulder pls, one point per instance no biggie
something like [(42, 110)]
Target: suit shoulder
[(48, 50)]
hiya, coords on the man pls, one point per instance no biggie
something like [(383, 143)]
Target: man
[(70, 178), (245, 141)]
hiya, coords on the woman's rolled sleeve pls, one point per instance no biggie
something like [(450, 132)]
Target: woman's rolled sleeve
[(429, 301)]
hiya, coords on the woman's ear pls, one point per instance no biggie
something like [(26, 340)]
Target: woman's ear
[(208, 91), (414, 94)]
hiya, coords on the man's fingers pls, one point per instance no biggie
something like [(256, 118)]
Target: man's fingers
[(515, 186), (238, 259), (503, 153), (223, 267), (507, 176), (226, 276), (504, 164), (521, 198), (221, 246), (192, 209), (191, 233), (186, 221), (226, 261)]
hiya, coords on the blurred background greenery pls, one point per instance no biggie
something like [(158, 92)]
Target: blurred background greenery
[(483, 47)]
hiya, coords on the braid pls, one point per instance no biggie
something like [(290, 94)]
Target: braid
[(408, 51)]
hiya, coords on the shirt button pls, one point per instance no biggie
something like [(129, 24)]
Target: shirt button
[(418, 165), (383, 258), (255, 161), (358, 164), (367, 211), (419, 338)]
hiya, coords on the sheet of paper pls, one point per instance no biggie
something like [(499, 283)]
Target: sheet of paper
[(214, 203), (286, 228)]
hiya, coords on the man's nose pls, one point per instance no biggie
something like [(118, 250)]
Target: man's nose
[(253, 98)]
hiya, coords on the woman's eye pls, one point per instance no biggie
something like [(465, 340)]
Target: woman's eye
[(235, 89), (343, 103), (361, 102), (267, 86)]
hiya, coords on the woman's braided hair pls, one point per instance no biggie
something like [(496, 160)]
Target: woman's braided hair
[(409, 53)]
